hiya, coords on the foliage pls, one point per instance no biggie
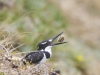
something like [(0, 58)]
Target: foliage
[(32, 21)]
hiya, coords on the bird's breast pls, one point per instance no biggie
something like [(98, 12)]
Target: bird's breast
[(44, 59), (47, 54)]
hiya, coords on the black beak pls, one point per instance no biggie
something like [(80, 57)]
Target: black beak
[(51, 40)]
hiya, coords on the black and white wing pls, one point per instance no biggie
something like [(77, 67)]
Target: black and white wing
[(34, 57)]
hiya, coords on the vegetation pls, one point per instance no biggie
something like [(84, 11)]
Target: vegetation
[(25, 23)]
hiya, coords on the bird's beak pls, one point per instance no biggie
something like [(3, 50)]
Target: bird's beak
[(54, 38)]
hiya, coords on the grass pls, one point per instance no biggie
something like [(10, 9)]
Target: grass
[(32, 21)]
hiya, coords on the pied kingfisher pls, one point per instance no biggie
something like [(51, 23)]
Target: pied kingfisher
[(43, 52)]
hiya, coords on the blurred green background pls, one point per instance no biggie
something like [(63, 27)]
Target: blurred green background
[(32, 21)]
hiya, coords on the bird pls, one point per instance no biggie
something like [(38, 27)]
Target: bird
[(43, 52)]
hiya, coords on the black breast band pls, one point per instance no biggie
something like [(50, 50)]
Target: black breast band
[(47, 54)]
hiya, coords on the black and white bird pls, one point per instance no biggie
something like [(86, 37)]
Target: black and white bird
[(43, 52)]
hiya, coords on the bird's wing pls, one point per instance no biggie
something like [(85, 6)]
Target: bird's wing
[(34, 57)]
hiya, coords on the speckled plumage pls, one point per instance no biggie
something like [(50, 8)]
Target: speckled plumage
[(34, 57)]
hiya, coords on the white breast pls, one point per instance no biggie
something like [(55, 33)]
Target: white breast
[(48, 49), (44, 59)]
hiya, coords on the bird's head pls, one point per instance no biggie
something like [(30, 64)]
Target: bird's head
[(49, 43)]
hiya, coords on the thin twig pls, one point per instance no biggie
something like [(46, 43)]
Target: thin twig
[(7, 39), (5, 49), (24, 52), (15, 48)]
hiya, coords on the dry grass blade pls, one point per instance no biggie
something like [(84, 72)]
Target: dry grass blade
[(8, 54), (15, 48), (7, 39)]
